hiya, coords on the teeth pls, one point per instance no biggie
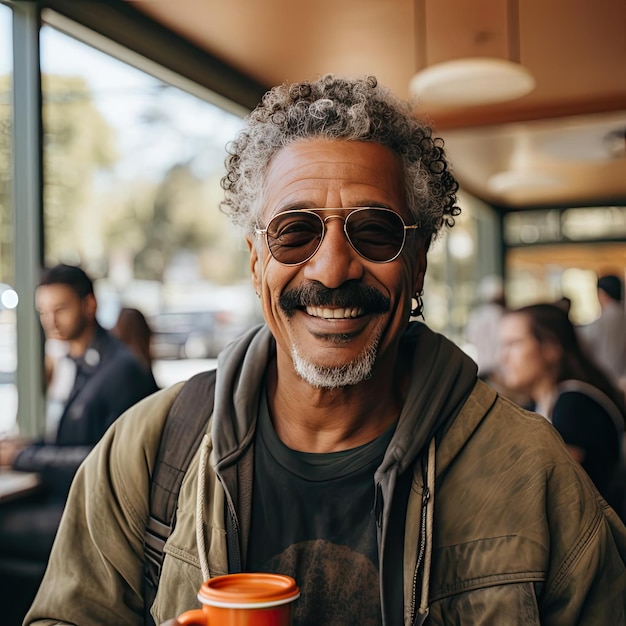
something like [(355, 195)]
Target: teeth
[(329, 314)]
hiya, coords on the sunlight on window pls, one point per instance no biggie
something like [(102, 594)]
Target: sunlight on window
[(132, 187)]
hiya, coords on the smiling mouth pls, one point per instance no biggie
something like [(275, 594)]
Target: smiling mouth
[(334, 314)]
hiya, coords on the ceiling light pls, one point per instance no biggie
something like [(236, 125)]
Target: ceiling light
[(471, 81), (474, 79), (525, 171), (521, 180)]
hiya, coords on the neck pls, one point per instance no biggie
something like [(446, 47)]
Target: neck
[(543, 395), (329, 420), (78, 346)]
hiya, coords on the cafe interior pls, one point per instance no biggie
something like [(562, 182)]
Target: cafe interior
[(529, 97)]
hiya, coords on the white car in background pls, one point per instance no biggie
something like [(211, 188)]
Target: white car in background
[(200, 330)]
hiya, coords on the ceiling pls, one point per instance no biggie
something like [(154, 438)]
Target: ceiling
[(565, 140)]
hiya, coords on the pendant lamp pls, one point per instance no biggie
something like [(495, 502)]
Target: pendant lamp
[(475, 80)]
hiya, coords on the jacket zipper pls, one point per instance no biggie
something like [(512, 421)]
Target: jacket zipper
[(234, 550), (420, 554)]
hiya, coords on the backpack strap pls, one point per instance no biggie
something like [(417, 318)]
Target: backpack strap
[(184, 428)]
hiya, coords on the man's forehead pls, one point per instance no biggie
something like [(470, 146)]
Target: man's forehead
[(55, 292), (318, 166)]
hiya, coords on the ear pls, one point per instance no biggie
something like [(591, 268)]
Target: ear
[(90, 305), (254, 264)]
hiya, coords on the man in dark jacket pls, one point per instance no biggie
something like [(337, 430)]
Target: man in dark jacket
[(92, 385)]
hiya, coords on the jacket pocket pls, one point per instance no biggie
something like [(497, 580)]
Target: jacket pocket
[(511, 604), (487, 581), (179, 583)]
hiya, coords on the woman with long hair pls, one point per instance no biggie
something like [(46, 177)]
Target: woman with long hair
[(133, 329), (542, 357)]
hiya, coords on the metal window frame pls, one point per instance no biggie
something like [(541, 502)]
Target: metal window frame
[(28, 214)]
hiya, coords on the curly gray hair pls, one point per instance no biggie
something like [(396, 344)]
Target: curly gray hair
[(346, 109)]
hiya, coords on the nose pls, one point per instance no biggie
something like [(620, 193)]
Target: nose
[(335, 262)]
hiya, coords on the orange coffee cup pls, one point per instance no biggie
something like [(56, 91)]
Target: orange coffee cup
[(248, 599)]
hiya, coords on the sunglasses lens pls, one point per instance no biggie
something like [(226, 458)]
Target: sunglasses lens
[(293, 237), (376, 234)]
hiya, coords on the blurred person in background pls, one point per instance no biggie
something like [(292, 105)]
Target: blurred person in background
[(482, 329), (90, 386), (605, 338), (541, 355), (133, 329), (94, 382)]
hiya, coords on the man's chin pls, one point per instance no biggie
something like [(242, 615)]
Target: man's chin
[(336, 376), (327, 378)]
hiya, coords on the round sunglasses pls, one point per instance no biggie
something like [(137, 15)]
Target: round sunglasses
[(376, 233)]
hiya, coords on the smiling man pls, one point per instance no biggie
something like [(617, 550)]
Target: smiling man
[(349, 446)]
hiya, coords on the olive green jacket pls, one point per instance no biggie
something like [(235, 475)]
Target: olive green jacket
[(514, 532)]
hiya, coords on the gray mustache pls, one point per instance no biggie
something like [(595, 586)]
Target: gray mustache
[(350, 294)]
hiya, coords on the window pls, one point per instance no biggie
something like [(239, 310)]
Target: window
[(560, 252), (563, 225), (8, 348), (456, 263), (132, 167)]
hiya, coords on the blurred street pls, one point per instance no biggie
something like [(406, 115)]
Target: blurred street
[(168, 372)]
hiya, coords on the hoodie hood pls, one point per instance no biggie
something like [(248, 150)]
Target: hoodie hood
[(442, 376), (241, 367)]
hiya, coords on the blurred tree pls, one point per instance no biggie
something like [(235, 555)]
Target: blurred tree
[(78, 142), (177, 217), (173, 219), (146, 207), (155, 224)]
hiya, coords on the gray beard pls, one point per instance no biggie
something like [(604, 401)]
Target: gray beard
[(340, 376)]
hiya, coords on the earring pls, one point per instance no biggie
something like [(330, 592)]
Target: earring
[(417, 304)]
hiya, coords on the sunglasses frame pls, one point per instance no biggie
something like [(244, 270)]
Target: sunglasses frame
[(323, 220)]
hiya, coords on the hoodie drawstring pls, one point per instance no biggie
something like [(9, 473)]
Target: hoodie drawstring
[(200, 502)]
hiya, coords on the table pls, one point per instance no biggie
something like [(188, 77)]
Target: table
[(17, 484)]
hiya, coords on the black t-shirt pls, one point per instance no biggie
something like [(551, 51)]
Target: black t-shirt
[(313, 518), (583, 423)]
